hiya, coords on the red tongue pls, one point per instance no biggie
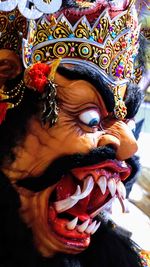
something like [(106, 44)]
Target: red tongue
[(80, 209), (66, 188)]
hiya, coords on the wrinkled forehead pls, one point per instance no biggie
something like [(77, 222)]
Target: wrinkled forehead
[(68, 74)]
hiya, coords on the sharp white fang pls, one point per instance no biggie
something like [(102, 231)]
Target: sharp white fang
[(95, 228), (91, 227), (123, 164), (87, 188), (124, 205), (71, 225), (67, 203), (112, 186), (121, 190), (102, 183), (106, 206), (81, 228)]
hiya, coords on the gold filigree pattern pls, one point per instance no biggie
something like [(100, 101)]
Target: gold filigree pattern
[(62, 30), (13, 27), (103, 27), (120, 109), (82, 31), (43, 32), (120, 24), (110, 59)]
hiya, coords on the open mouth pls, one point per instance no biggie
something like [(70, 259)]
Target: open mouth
[(80, 196)]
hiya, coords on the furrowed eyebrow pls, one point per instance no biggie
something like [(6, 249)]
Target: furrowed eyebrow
[(92, 77)]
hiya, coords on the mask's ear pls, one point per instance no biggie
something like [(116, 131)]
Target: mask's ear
[(10, 65)]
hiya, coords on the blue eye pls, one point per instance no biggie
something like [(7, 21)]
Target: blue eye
[(90, 117)]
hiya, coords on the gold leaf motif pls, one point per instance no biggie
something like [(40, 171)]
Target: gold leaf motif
[(43, 31), (41, 36), (82, 31), (61, 31), (104, 28), (119, 25)]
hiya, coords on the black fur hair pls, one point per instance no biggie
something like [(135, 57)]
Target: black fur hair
[(133, 99), (107, 249), (63, 165), (134, 163)]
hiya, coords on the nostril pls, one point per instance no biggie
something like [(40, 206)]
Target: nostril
[(109, 140), (112, 147)]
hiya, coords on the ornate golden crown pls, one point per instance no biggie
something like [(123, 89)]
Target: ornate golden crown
[(109, 46)]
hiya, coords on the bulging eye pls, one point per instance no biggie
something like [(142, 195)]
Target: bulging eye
[(90, 117)]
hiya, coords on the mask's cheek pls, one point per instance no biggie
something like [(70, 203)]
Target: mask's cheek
[(34, 212), (43, 145), (70, 138)]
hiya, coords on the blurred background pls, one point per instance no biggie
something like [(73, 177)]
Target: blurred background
[(137, 220)]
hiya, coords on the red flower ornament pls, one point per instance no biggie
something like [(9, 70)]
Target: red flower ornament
[(36, 77)]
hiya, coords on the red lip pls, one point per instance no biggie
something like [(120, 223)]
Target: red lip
[(71, 238), (110, 165)]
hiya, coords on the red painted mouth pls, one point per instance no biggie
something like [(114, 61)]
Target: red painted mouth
[(72, 221)]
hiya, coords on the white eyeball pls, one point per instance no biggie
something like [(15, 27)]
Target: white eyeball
[(90, 117)]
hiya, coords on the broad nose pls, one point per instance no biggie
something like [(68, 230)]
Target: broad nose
[(119, 136)]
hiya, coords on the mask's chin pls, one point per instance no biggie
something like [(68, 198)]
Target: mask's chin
[(62, 217)]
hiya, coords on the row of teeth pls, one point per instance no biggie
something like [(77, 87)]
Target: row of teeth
[(85, 227), (88, 185)]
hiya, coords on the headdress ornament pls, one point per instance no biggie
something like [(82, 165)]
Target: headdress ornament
[(109, 46), (13, 27), (104, 36)]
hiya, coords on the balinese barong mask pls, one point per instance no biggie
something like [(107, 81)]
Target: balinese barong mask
[(71, 146)]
